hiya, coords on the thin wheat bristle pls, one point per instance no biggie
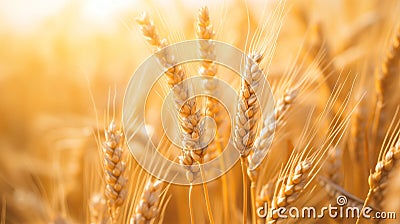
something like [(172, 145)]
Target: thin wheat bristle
[(148, 209), (114, 168)]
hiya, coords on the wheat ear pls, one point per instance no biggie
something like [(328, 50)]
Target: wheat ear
[(265, 137), (333, 164), (98, 210), (389, 74), (246, 122), (114, 168), (189, 116), (148, 209), (208, 69), (378, 180), (291, 188)]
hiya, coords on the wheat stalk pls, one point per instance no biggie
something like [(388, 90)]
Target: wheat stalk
[(114, 168), (246, 120), (357, 145)]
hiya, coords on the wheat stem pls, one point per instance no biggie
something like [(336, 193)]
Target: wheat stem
[(207, 198), (243, 162), (190, 204), (253, 201)]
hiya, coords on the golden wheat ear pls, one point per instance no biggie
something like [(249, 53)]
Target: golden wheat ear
[(189, 115), (386, 82), (114, 169), (146, 196), (380, 178)]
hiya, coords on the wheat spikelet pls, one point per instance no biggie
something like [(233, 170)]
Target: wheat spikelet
[(114, 168), (246, 122), (189, 116), (148, 209)]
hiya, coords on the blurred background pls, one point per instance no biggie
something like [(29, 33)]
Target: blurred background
[(60, 60)]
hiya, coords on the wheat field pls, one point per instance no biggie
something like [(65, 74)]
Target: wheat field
[(330, 136)]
